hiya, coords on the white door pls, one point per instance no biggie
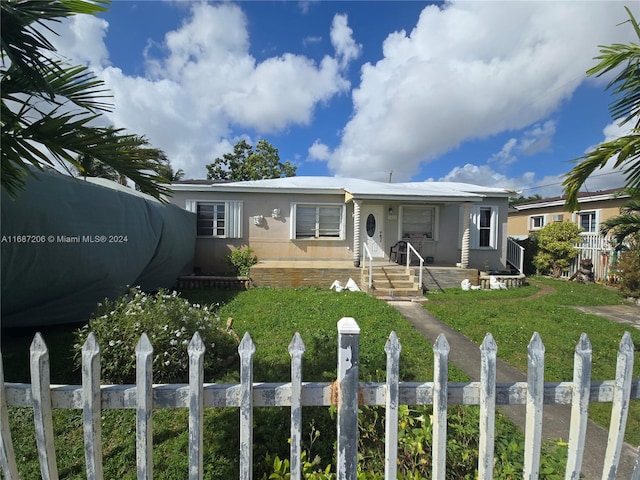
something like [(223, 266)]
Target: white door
[(372, 226)]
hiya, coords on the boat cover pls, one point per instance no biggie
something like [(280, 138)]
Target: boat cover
[(67, 244)]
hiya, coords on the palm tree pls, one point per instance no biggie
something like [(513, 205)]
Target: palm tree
[(48, 106), (626, 225), (626, 87)]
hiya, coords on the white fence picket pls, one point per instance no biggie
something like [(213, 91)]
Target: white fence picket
[(42, 417), (347, 383), (7, 454), (144, 408), (535, 398), (347, 392), (440, 394), (296, 351), (246, 349), (196, 351), (392, 348), (91, 408), (620, 409), (488, 351), (579, 407)]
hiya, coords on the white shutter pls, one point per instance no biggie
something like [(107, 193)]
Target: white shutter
[(234, 219), (191, 206)]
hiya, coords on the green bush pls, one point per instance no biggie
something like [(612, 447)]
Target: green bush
[(628, 269), (556, 247), (170, 322), (242, 260)]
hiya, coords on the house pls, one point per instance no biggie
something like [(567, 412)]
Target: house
[(527, 218), (343, 220), (594, 208)]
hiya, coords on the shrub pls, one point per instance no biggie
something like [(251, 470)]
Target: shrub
[(556, 246), (170, 322), (628, 269), (242, 260)]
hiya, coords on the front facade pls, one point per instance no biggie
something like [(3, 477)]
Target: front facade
[(594, 208), (341, 219)]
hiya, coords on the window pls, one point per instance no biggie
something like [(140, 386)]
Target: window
[(588, 221), (484, 233), (536, 222), (418, 222), (317, 221), (217, 219)]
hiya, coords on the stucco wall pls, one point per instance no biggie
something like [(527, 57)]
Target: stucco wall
[(271, 239), (518, 222)]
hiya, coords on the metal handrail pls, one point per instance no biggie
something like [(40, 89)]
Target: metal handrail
[(409, 250), (366, 253), (515, 254)]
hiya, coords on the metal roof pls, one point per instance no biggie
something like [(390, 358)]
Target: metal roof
[(357, 188)]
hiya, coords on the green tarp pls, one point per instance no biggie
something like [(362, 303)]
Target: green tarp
[(69, 243)]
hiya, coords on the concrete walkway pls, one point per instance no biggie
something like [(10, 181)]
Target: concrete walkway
[(465, 355)]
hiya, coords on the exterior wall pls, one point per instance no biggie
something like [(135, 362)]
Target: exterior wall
[(492, 258), (519, 221), (271, 239)]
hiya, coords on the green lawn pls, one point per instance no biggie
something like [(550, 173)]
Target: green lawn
[(272, 317), (512, 316)]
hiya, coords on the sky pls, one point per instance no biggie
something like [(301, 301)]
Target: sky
[(492, 93)]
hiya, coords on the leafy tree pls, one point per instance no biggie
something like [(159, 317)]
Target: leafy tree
[(245, 163), (626, 89), (49, 107), (556, 246), (520, 199)]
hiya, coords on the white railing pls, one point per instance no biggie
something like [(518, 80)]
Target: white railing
[(347, 392), (411, 250), (366, 255), (515, 254), (599, 250)]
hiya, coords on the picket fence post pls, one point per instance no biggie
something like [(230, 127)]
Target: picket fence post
[(392, 348), (535, 400), (440, 393), (246, 349), (196, 351), (296, 350), (348, 361), (144, 408), (92, 408), (488, 351)]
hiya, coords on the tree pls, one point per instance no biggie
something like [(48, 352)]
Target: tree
[(520, 199), (246, 164), (49, 108), (626, 106), (556, 246), (627, 224)]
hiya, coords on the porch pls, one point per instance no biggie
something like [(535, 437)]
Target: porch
[(322, 273)]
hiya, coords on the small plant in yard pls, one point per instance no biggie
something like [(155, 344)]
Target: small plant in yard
[(556, 247), (242, 260), (170, 322)]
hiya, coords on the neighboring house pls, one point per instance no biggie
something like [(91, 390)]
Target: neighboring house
[(594, 208), (527, 218), (330, 218)]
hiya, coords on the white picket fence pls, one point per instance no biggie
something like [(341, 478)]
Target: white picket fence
[(346, 392), (598, 249)]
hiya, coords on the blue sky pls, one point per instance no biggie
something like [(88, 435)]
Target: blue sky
[(492, 93)]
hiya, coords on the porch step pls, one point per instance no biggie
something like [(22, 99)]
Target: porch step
[(392, 281)]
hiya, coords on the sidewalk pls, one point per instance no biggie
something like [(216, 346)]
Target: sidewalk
[(465, 355)]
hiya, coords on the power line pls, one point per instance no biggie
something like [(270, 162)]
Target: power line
[(560, 183)]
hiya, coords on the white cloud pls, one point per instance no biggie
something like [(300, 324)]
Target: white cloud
[(505, 155), (342, 40), (538, 138), (81, 38), (204, 84), (318, 152), (469, 70)]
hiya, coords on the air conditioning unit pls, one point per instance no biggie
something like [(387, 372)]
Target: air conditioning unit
[(557, 217)]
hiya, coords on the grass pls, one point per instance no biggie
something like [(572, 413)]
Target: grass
[(545, 306), (272, 317)]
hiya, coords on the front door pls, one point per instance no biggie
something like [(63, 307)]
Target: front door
[(372, 222)]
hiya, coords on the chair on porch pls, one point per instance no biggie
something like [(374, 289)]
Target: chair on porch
[(398, 252)]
